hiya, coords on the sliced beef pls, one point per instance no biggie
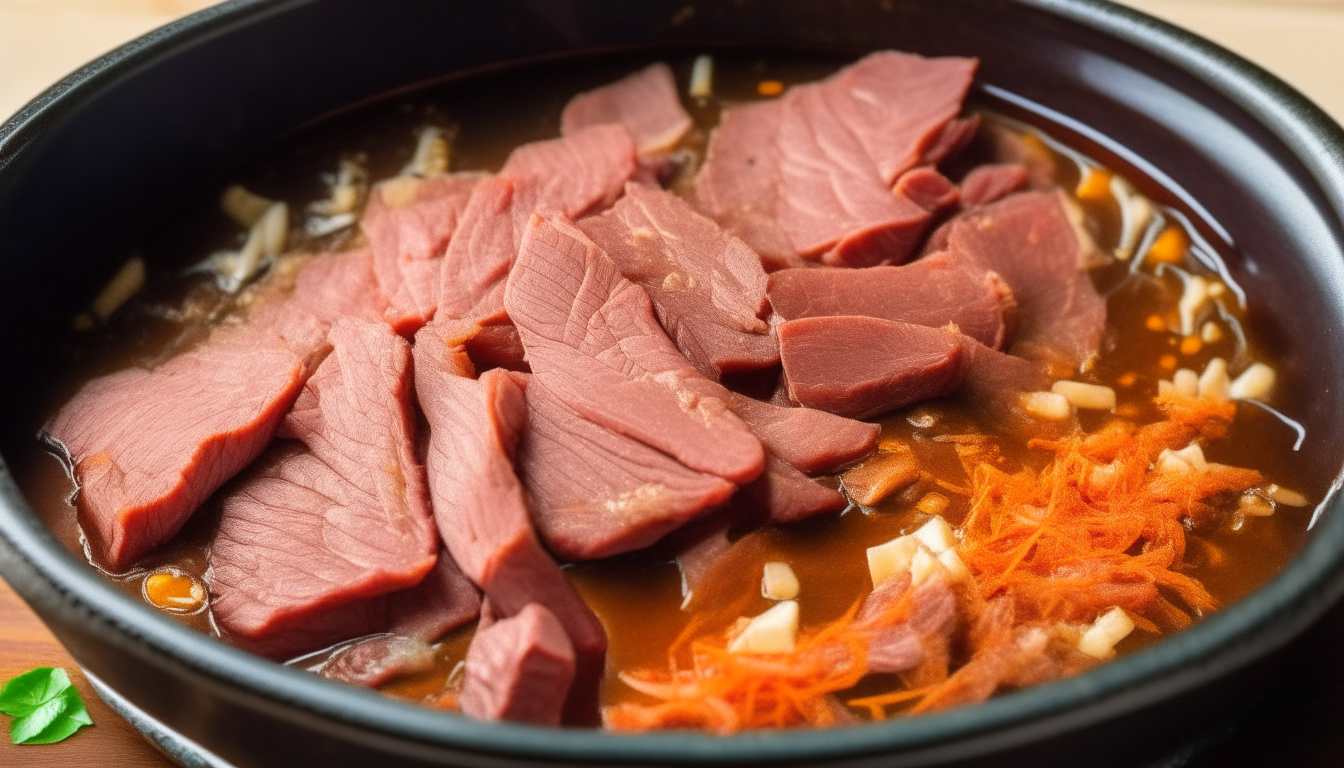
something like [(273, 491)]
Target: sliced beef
[(928, 189), (148, 447), (833, 204), (810, 440), (378, 660), (811, 173), (338, 515), (907, 625), (644, 102), (1029, 240), (993, 389), (988, 183), (498, 346), (783, 494), (592, 340), (519, 669), (479, 505), (597, 493), (707, 287), (576, 175), (738, 186), (933, 291), (336, 285), (409, 223), (863, 366)]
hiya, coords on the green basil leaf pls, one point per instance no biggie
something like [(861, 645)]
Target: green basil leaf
[(57, 720), (25, 693), (45, 706)]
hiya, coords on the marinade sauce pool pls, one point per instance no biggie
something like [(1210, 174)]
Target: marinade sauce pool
[(639, 596)]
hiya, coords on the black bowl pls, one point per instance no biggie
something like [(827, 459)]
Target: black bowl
[(83, 168)]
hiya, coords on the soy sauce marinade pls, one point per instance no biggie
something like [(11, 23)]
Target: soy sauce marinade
[(639, 597)]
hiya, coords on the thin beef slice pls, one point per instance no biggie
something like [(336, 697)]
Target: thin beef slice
[(933, 291), (1029, 240), (576, 175), (479, 504), (707, 287), (644, 102), (863, 366), (148, 447), (519, 669), (592, 339), (336, 515), (409, 223)]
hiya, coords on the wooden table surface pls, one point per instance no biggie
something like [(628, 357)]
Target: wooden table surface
[(1297, 723)]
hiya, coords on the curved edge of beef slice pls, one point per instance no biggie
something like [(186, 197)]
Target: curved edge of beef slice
[(147, 448), (810, 440), (645, 102), (832, 203), (786, 495), (933, 291), (409, 222), (707, 287), (864, 366), (592, 339), (738, 185), (596, 493), (479, 255), (300, 551), (1030, 241), (926, 187), (900, 107), (991, 182), (519, 669), (479, 505), (994, 386)]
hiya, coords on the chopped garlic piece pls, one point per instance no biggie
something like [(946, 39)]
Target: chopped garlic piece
[(1046, 405), (1087, 396), (265, 240), (779, 582), (1192, 300), (432, 154), (954, 566), (887, 560), (937, 535), (1284, 496), (702, 78), (1165, 388), (922, 566), (123, 285), (1254, 383), (1214, 383), (1136, 213), (1211, 333), (1110, 628), (346, 190), (775, 631), (1186, 383), (243, 206), (1168, 461), (1254, 505), (1193, 455)]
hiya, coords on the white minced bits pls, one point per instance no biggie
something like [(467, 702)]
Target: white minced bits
[(779, 582), (702, 78), (1214, 383), (1254, 505), (927, 551), (887, 560), (1192, 299), (936, 535), (1086, 396), (775, 631), (1047, 405), (1186, 383), (265, 240), (1254, 383), (432, 154), (123, 285), (1189, 458), (243, 206), (1110, 628), (1211, 333), (1283, 496)]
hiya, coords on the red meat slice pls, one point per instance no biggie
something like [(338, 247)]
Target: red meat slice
[(933, 291), (988, 183), (479, 505), (409, 223), (339, 517), (644, 102), (519, 669), (593, 341), (707, 287), (336, 285), (148, 447), (863, 366), (1029, 240), (576, 175)]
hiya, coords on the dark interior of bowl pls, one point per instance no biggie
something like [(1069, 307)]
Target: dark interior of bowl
[(114, 149)]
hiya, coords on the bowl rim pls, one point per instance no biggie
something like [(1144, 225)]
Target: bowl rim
[(1259, 623)]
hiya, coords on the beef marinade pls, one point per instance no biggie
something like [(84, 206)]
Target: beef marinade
[(930, 566)]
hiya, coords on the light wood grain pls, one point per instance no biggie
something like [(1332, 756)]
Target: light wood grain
[(111, 742)]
